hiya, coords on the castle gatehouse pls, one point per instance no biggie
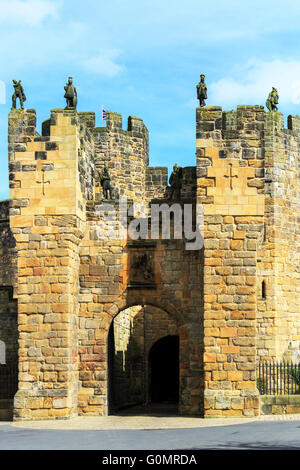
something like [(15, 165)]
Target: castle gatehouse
[(92, 322)]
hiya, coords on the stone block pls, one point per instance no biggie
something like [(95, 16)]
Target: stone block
[(222, 403), (228, 332), (61, 403), (294, 399)]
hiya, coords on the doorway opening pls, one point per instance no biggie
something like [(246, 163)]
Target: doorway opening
[(164, 370), (140, 340)]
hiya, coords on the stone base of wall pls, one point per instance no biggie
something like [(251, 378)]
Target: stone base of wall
[(43, 404), (6, 410), (279, 405), (230, 403)]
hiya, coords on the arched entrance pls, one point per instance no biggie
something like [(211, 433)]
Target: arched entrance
[(164, 370), (137, 337)]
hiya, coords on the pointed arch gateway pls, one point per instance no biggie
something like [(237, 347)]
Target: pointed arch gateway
[(143, 347)]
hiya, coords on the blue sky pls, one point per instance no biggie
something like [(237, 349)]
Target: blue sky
[(144, 58)]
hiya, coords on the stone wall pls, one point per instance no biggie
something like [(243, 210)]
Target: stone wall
[(47, 320), (229, 188), (126, 154), (279, 405), (156, 182), (109, 284), (7, 248), (86, 154), (259, 140), (231, 303), (47, 221), (279, 316), (189, 183)]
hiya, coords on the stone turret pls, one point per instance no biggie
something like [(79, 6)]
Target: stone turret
[(126, 154), (248, 181)]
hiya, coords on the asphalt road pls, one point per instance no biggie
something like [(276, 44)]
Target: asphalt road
[(276, 435)]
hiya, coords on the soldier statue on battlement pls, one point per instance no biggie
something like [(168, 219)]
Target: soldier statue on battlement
[(176, 182), (202, 90), (70, 94), (106, 184), (18, 93), (272, 100)]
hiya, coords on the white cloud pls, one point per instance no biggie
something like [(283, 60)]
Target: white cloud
[(149, 23), (31, 12), (104, 64), (256, 80)]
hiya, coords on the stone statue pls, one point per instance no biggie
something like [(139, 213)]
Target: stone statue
[(176, 182), (18, 93), (142, 268), (202, 90), (272, 100), (70, 94), (105, 183)]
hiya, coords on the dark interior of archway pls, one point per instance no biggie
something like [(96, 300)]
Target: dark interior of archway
[(136, 381), (164, 370), (110, 365)]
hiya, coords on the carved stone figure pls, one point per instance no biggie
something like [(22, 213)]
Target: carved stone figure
[(70, 94), (18, 93), (106, 184), (175, 182), (202, 90), (142, 268), (272, 100)]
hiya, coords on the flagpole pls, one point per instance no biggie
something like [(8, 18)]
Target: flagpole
[(102, 114)]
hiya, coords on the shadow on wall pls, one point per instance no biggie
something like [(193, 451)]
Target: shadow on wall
[(2, 352)]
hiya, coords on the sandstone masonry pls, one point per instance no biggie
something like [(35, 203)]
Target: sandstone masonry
[(80, 314)]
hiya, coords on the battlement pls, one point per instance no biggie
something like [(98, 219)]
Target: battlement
[(50, 173), (246, 122), (251, 135), (21, 129), (70, 149), (115, 121), (125, 153), (156, 182)]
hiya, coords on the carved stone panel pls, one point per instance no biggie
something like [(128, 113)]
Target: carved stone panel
[(141, 267)]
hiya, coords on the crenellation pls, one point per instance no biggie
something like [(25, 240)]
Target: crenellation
[(114, 121), (46, 129), (21, 129), (156, 182), (88, 119)]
